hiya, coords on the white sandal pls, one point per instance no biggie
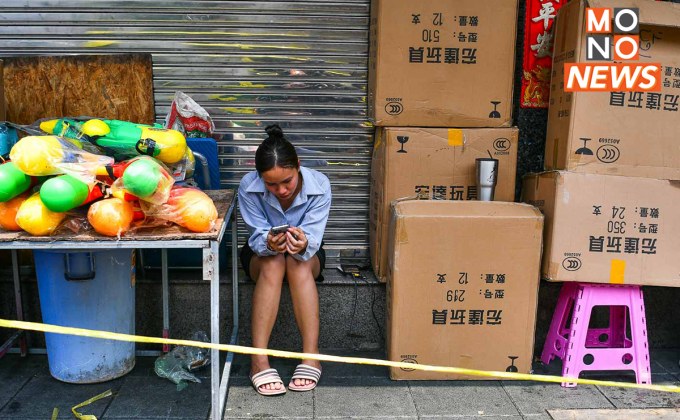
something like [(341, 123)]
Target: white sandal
[(303, 371), (267, 376)]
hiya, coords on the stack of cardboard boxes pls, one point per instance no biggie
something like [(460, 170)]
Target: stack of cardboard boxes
[(462, 275), (611, 190)]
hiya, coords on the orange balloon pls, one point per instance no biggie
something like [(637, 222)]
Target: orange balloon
[(110, 217), (8, 213), (36, 219), (195, 210)]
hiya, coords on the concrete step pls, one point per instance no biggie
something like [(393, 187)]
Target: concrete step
[(342, 326), (352, 312)]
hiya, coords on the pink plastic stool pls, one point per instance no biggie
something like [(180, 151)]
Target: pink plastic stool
[(581, 348)]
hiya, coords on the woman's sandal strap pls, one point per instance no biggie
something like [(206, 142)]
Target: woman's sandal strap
[(267, 376), (307, 372)]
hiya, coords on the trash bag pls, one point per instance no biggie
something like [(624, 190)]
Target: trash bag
[(180, 361)]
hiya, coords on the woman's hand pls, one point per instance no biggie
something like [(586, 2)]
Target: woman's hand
[(296, 241), (277, 243)]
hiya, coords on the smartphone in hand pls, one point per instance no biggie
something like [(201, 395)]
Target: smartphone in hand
[(279, 229)]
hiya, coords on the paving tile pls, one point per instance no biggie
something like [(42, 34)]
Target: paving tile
[(153, 397), (349, 370), (363, 397), (34, 418), (42, 393), (666, 359), (244, 402), (480, 417), (466, 398), (344, 370), (618, 414), (554, 368), (29, 418), (536, 398), (15, 372), (240, 367), (641, 398), (143, 366), (542, 416), (371, 418)]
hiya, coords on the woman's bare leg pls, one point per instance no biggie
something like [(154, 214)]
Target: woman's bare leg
[(268, 274), (300, 276)]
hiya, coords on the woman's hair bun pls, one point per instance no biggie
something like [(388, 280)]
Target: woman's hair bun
[(274, 131)]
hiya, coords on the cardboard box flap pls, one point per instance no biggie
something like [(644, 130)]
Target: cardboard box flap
[(651, 12), (429, 208)]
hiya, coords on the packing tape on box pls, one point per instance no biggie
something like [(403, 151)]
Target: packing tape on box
[(617, 272), (34, 326), (456, 137)]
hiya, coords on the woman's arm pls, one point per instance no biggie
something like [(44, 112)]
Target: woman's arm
[(256, 221), (313, 223)]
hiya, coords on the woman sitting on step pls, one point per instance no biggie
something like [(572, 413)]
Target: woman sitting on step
[(281, 192)]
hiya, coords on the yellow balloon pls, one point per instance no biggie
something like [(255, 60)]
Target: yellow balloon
[(95, 128), (36, 219), (35, 155), (191, 164), (171, 143)]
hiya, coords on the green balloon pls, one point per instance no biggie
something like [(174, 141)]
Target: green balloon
[(63, 193), (12, 182), (141, 178)]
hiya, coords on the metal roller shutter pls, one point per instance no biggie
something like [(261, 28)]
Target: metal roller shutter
[(301, 64)]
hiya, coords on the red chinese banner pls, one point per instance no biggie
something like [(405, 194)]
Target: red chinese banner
[(538, 47)]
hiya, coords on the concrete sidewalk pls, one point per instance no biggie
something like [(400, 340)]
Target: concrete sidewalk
[(27, 391)]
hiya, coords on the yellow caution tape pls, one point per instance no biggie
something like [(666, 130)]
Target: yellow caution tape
[(81, 416), (33, 326)]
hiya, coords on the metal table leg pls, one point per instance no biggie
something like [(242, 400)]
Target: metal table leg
[(219, 385), (166, 298), (18, 300), (19, 335), (211, 272), (224, 384)]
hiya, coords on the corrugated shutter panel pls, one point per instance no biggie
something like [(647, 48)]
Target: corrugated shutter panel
[(301, 64)]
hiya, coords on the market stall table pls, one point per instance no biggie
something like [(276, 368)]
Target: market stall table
[(164, 238)]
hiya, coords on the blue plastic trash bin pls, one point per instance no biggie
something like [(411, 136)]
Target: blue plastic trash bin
[(93, 290)]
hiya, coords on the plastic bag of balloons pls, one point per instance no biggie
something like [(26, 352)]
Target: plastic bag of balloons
[(146, 179), (52, 155), (121, 139), (35, 218), (190, 208)]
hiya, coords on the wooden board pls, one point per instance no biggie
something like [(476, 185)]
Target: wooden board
[(103, 86), (619, 414), (223, 200), (2, 93)]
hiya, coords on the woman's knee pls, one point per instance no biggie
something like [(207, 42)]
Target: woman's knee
[(271, 269), (297, 270)]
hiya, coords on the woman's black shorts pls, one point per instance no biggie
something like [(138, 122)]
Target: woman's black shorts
[(247, 254)]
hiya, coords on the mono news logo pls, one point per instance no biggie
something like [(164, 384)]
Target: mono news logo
[(612, 51)]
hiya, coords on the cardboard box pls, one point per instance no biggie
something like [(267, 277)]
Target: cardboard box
[(463, 287), (629, 134), (435, 163), (608, 229), (442, 64)]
